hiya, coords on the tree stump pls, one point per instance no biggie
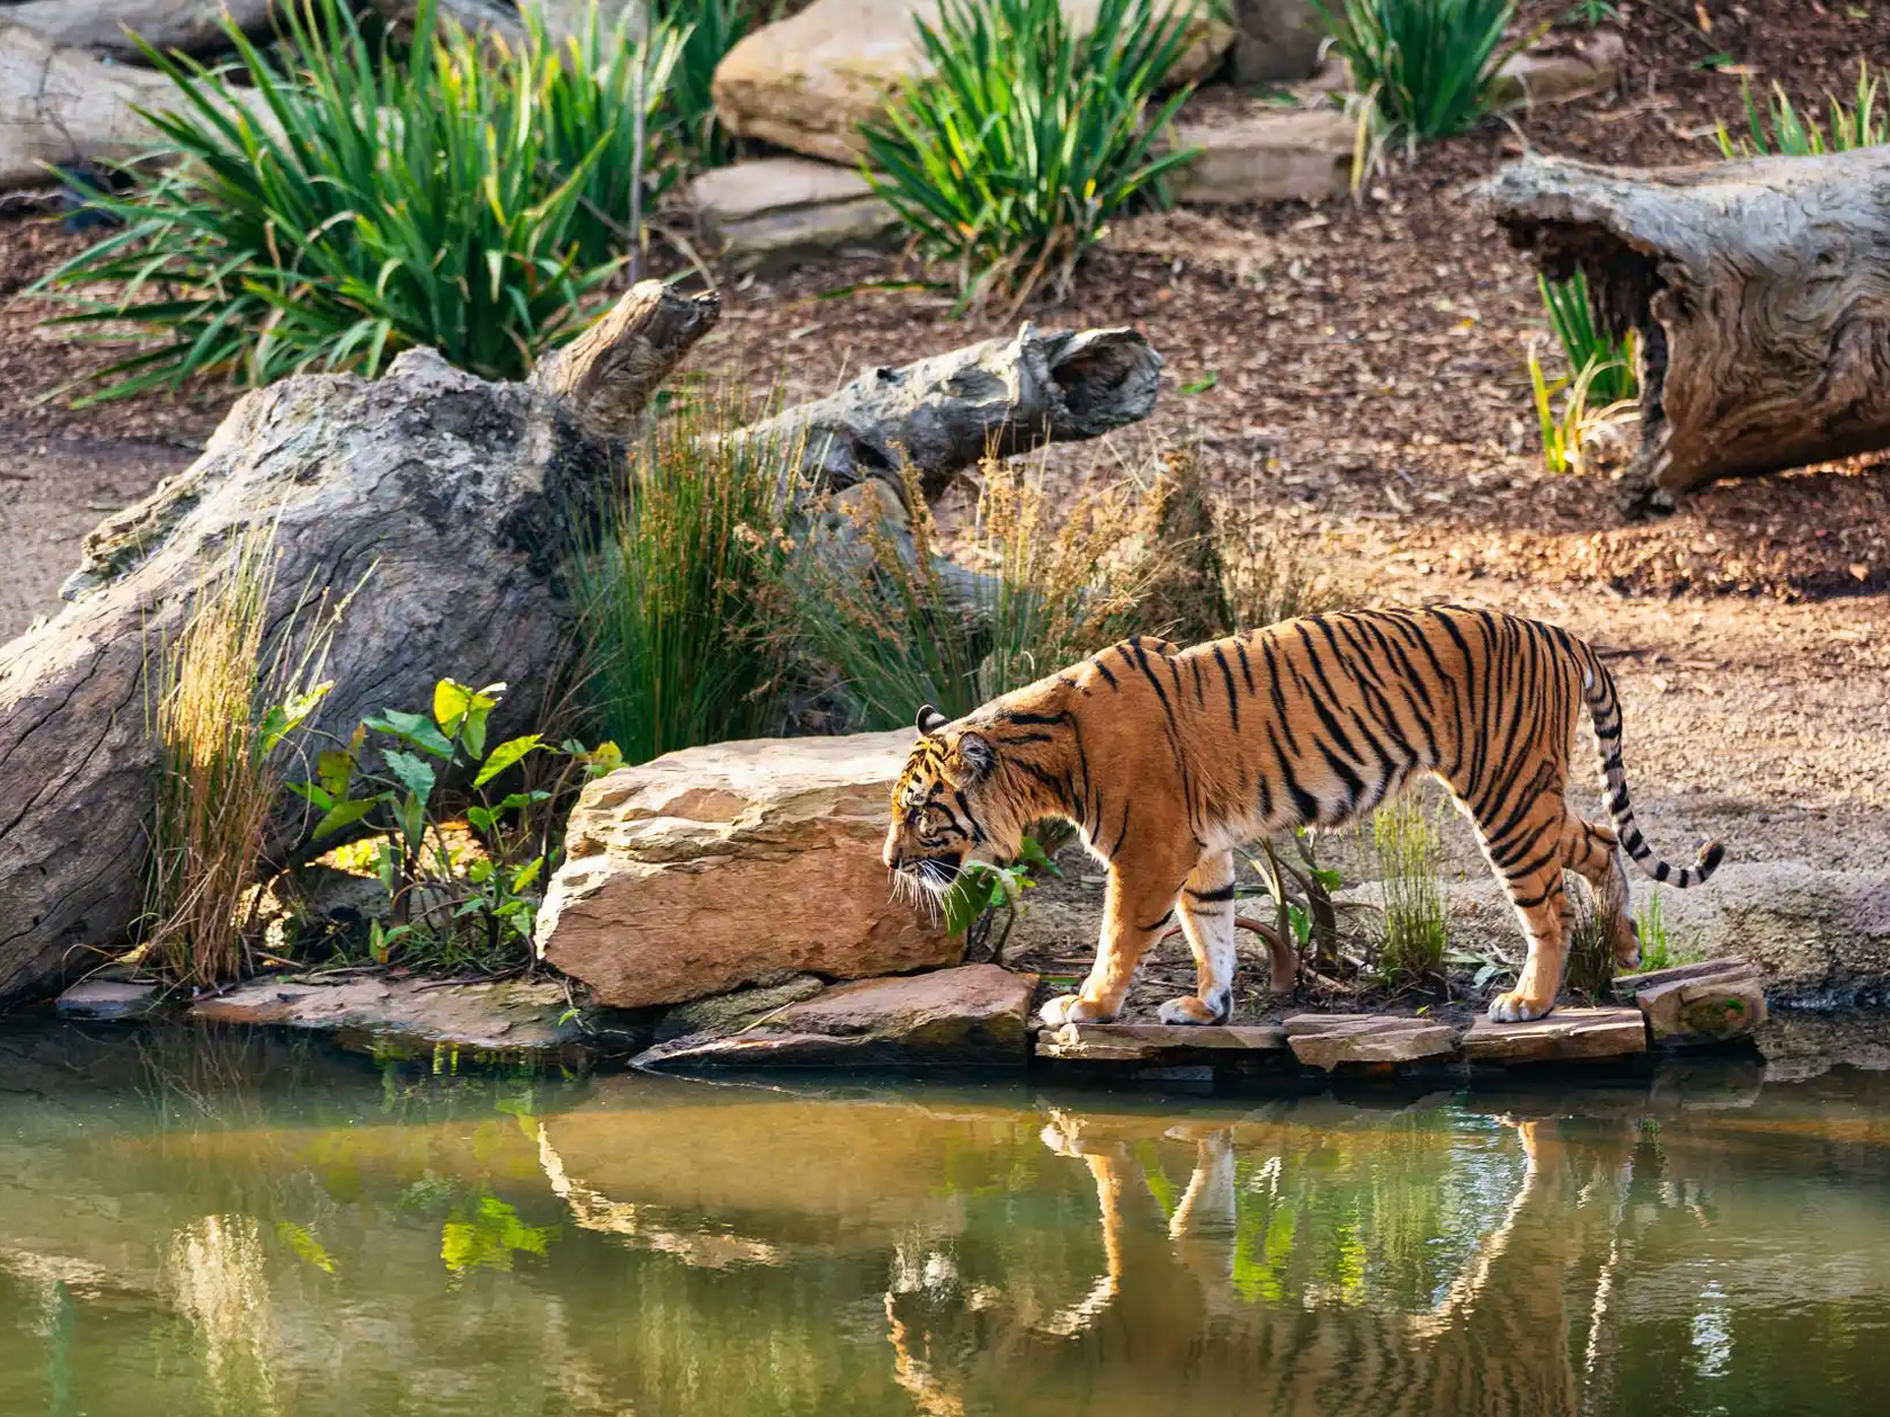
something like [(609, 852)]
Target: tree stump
[(455, 499), (1761, 291)]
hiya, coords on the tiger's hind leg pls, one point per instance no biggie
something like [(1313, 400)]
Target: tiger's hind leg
[(1527, 857), (1594, 853), (1207, 919)]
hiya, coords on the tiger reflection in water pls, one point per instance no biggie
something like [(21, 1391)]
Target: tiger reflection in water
[(1165, 1327)]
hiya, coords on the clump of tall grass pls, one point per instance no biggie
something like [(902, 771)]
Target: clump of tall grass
[(1428, 67), (679, 593), (1005, 160), (1590, 956), (335, 202), (221, 703), (1777, 127), (1408, 845), (876, 600)]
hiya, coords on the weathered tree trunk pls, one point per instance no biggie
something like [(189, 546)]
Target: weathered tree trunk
[(942, 414), (1761, 289), (453, 497), (60, 106), (105, 26)]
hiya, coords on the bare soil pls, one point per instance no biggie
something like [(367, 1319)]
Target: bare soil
[(1355, 373)]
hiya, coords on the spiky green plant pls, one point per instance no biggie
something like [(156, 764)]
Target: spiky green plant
[(1409, 849), (679, 595), (343, 202), (1584, 344), (1023, 138), (710, 28), (1429, 66), (1777, 127)]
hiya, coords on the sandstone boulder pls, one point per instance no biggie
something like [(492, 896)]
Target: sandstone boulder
[(1269, 155), (805, 83), (1567, 1035), (975, 1015), (735, 864), (1708, 1002)]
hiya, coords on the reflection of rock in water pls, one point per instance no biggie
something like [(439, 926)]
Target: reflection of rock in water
[(1166, 1326)]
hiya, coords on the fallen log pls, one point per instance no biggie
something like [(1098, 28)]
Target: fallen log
[(941, 414), (1761, 291), (456, 494), (61, 107), (106, 26)]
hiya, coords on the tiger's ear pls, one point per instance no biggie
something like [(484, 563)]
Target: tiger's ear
[(977, 757), (931, 720)]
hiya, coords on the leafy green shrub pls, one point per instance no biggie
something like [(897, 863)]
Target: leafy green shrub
[(449, 906), (1408, 844), (1778, 127), (971, 907), (445, 197), (1428, 66), (679, 596), (1005, 161)]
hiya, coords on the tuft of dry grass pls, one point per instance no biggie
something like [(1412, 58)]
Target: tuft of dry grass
[(1590, 958), (1409, 848), (221, 702)]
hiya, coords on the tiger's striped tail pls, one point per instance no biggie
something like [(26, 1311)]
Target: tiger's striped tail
[(1604, 707)]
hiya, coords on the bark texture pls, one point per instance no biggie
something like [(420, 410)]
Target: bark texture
[(1761, 289), (453, 497), (943, 413), (105, 26)]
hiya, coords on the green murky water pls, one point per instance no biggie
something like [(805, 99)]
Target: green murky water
[(195, 1224)]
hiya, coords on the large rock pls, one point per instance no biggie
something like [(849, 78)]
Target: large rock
[(1709, 1002), (774, 212), (975, 1015), (806, 83), (735, 864)]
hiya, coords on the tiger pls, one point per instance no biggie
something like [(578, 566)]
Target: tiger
[(1167, 759)]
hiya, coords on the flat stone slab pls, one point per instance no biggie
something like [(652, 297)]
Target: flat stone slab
[(772, 213), (510, 1015), (1276, 155), (973, 1016), (1155, 1042), (1709, 1002), (102, 1000), (1567, 1035), (1328, 1040)]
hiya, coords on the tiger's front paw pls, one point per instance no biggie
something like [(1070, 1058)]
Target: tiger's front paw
[(1515, 1007), (1190, 1009), (1072, 1008)]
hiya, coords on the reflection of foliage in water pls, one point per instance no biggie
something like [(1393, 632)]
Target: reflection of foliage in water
[(488, 1235)]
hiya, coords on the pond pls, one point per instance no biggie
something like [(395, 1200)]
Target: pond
[(193, 1222)]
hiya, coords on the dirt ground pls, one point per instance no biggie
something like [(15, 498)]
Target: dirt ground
[(1355, 373)]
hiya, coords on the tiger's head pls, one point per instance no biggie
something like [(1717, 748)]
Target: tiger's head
[(948, 808)]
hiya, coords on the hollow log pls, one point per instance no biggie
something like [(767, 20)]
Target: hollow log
[(446, 499), (106, 26), (1761, 291), (941, 414)]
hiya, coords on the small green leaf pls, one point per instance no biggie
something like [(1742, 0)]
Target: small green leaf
[(1328, 878), (413, 728), (309, 792), (345, 814), (1203, 384), (481, 818), (335, 768), (522, 879), (479, 872), (1302, 924), (505, 755), (415, 774)]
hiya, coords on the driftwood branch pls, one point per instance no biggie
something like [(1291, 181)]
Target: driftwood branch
[(106, 26), (943, 413), (451, 496), (606, 376), (1761, 289)]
